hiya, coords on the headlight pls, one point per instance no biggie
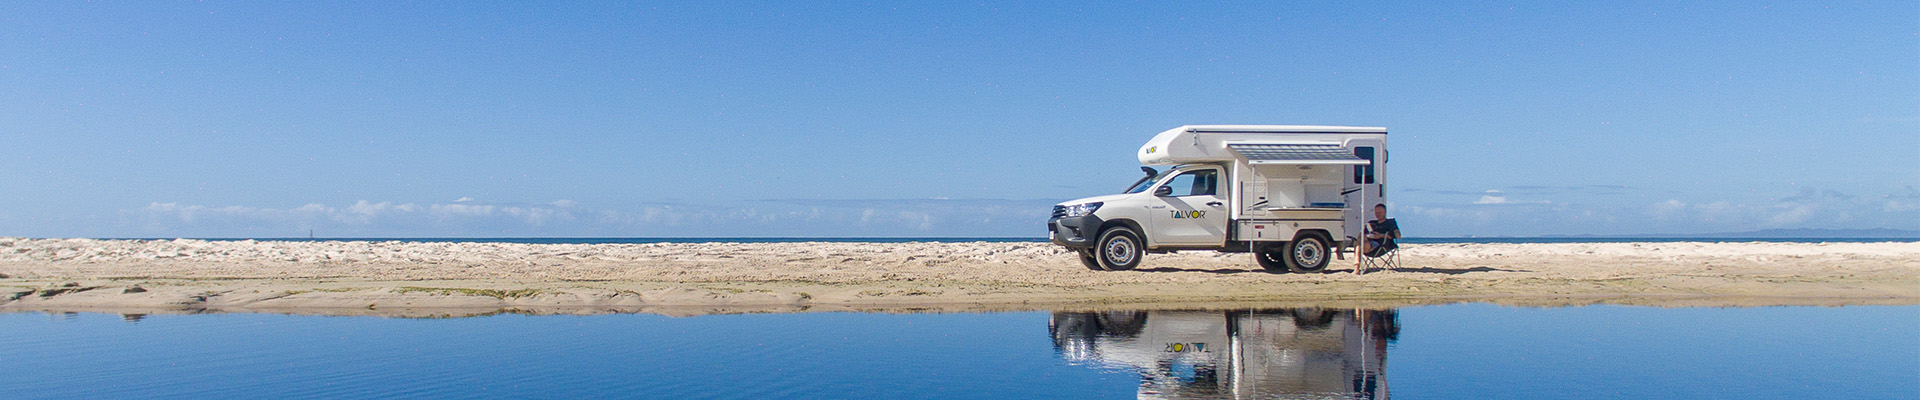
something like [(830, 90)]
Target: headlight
[(1081, 210)]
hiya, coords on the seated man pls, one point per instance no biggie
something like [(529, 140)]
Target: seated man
[(1380, 233)]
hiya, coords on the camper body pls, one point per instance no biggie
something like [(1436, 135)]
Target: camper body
[(1292, 195)]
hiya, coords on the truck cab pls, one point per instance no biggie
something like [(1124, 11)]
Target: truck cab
[(1291, 194)]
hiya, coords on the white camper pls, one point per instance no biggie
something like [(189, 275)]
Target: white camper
[(1291, 194)]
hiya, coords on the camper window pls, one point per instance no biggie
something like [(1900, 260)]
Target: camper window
[(1363, 173), (1195, 183)]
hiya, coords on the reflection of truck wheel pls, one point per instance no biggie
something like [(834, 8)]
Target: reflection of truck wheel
[(1272, 261), (1307, 254), (1312, 318), (1123, 324), (1069, 326), (1086, 259), (1118, 249)]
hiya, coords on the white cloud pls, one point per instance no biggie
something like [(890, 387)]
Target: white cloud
[(1669, 209), (460, 210), (1495, 196), (1794, 214), (313, 208), (363, 212), (1900, 206)]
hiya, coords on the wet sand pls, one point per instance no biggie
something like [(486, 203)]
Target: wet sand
[(449, 279)]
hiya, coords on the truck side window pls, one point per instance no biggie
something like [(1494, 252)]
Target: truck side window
[(1363, 173), (1195, 183)]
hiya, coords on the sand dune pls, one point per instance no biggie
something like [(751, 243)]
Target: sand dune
[(57, 274)]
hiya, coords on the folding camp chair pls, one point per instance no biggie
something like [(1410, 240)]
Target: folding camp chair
[(1388, 261)]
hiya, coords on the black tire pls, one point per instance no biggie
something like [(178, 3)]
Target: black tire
[(1307, 254), (1119, 249), (1086, 259), (1272, 261)]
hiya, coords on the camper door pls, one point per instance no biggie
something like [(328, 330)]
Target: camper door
[(1362, 186)]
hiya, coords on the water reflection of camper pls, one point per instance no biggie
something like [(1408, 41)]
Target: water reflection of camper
[(1298, 353)]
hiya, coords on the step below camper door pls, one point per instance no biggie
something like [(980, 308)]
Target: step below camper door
[(1363, 184)]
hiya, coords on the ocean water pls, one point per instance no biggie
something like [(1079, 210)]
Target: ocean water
[(1450, 351), (545, 240)]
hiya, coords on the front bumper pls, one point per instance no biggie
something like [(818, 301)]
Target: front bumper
[(1076, 232)]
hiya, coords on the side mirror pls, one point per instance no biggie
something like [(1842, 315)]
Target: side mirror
[(1163, 191)]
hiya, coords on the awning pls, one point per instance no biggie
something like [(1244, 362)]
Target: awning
[(1296, 154)]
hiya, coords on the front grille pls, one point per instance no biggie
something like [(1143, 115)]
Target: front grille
[(1059, 211)]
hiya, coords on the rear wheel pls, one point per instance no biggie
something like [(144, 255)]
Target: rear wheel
[(1307, 254), (1272, 261), (1119, 249), (1086, 259)]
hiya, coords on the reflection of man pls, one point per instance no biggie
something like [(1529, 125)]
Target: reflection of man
[(1380, 235)]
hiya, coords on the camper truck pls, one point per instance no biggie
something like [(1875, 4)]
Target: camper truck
[(1292, 195)]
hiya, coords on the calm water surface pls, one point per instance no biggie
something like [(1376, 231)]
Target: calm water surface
[(1420, 240), (1454, 351)]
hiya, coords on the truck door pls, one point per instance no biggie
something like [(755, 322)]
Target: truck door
[(1189, 209), (1362, 185)]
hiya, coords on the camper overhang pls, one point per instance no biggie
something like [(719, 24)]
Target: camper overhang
[(1210, 144)]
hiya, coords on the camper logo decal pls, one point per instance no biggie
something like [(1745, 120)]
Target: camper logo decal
[(1151, 149), (1188, 214), (1194, 347)]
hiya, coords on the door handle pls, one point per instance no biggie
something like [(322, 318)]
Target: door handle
[(1214, 203)]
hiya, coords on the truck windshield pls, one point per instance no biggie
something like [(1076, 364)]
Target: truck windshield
[(1143, 184)]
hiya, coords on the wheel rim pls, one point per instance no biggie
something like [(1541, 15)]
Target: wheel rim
[(1308, 252), (1120, 250)]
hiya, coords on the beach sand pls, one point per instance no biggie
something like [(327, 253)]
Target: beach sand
[(450, 279)]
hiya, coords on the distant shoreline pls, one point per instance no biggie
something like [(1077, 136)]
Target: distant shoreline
[(464, 277), (1769, 235)]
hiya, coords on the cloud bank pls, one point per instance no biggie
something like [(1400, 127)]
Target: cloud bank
[(1510, 211), (1579, 211), (470, 218)]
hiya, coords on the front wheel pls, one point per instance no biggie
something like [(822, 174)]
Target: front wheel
[(1119, 249), (1307, 254), (1087, 260)]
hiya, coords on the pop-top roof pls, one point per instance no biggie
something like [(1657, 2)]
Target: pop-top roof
[(1282, 129), (1296, 154), (1208, 143)]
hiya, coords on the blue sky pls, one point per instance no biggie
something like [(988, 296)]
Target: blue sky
[(433, 119)]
